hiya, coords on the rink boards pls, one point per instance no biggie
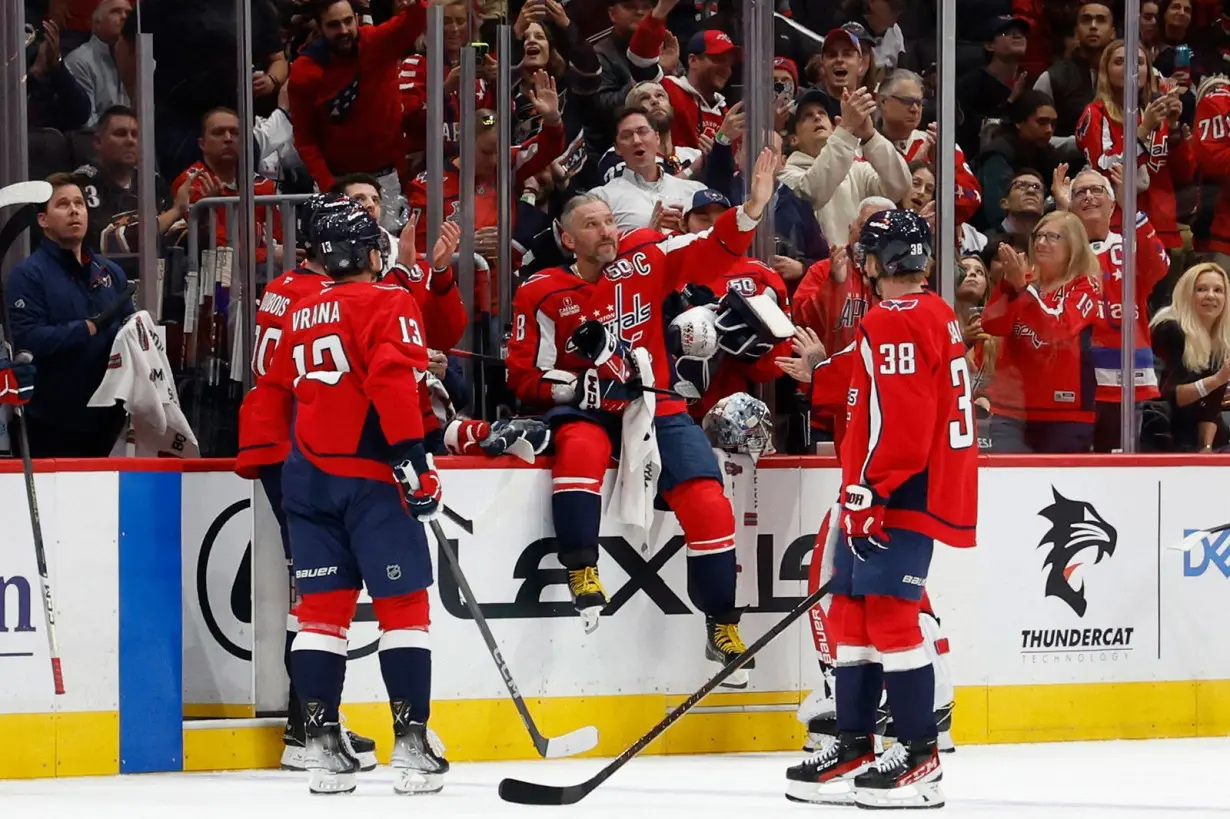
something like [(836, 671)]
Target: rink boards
[(153, 578)]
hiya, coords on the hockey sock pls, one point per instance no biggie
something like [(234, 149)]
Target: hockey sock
[(911, 698), (576, 513), (711, 582), (857, 690), (318, 669), (293, 709), (405, 662)]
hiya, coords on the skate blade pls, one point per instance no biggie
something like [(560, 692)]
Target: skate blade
[(589, 618), (839, 792), (412, 782), (327, 783), (920, 796), (295, 759)]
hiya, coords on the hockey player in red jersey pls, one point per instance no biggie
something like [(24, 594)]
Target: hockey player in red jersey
[(1212, 133), (356, 485), (585, 339), (909, 466)]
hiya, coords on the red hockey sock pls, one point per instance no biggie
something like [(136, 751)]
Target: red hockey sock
[(708, 523)]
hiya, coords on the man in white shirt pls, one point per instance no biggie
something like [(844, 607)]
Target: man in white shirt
[(93, 64), (643, 184)]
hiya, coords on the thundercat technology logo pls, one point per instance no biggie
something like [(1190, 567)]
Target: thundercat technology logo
[(1076, 527)]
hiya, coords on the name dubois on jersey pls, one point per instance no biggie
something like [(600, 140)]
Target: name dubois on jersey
[(274, 304)]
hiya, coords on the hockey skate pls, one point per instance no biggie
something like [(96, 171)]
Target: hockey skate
[(826, 778), (294, 742), (907, 775), (886, 731), (418, 754), (588, 596), (723, 644), (329, 762), (819, 713)]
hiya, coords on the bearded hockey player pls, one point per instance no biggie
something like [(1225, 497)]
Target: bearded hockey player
[(909, 466), (585, 341), (356, 484)]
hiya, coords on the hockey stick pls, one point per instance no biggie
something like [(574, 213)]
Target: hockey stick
[(492, 359), (571, 744), (1188, 543), (818, 618), (531, 793), (18, 222)]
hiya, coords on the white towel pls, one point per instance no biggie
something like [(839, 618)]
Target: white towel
[(636, 478)]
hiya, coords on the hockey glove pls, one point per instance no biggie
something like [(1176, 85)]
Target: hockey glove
[(508, 431), (862, 519), (419, 482), (462, 436), (16, 381)]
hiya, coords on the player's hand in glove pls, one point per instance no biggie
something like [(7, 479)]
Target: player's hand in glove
[(862, 519), (17, 380), (507, 431), (612, 383), (419, 482)]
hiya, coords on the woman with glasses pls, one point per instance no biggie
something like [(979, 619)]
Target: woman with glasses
[(1192, 339), (1044, 311), (1164, 156)]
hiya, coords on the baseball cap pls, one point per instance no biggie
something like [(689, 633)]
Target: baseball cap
[(1004, 22), (711, 43), (706, 198), (852, 33), (813, 96)]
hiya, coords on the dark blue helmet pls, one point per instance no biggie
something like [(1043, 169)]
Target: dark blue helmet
[(307, 212), (343, 239), (899, 240)]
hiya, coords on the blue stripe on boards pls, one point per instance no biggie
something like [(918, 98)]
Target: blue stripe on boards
[(151, 623)]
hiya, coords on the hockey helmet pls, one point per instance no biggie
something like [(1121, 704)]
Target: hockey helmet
[(343, 240), (307, 211), (740, 423), (899, 241)]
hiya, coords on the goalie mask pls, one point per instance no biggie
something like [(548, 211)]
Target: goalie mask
[(740, 423), (751, 327)]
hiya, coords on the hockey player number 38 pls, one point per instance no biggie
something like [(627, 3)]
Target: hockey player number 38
[(899, 359)]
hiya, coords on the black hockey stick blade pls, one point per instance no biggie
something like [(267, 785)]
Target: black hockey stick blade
[(575, 742), (21, 219), (532, 793)]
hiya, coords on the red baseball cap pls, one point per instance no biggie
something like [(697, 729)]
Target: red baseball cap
[(711, 43), (839, 35)]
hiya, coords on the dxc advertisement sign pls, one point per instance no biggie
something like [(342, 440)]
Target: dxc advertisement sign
[(1213, 552)]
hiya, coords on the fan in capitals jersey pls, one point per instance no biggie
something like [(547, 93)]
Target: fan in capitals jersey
[(1212, 134)]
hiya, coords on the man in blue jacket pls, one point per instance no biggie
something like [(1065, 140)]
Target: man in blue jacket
[(66, 307)]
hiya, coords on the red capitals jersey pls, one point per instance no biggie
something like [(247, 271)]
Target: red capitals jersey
[(1101, 140), (969, 192), (261, 186), (261, 444), (550, 305), (1213, 157), (1044, 368), (347, 109), (751, 278), (830, 307), (1152, 265), (444, 314), (910, 429), (412, 81), (348, 363)]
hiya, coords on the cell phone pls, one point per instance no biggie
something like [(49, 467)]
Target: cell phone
[(481, 50), (1182, 56)]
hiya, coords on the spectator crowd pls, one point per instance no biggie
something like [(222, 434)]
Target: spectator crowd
[(642, 105)]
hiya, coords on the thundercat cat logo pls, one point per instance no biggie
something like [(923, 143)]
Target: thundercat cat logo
[(1076, 528)]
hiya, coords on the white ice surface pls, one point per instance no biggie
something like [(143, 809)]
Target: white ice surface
[(1184, 779)]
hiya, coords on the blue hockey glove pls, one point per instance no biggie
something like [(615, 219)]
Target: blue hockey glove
[(419, 482)]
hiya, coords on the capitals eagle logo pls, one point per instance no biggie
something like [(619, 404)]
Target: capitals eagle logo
[(1075, 527)]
